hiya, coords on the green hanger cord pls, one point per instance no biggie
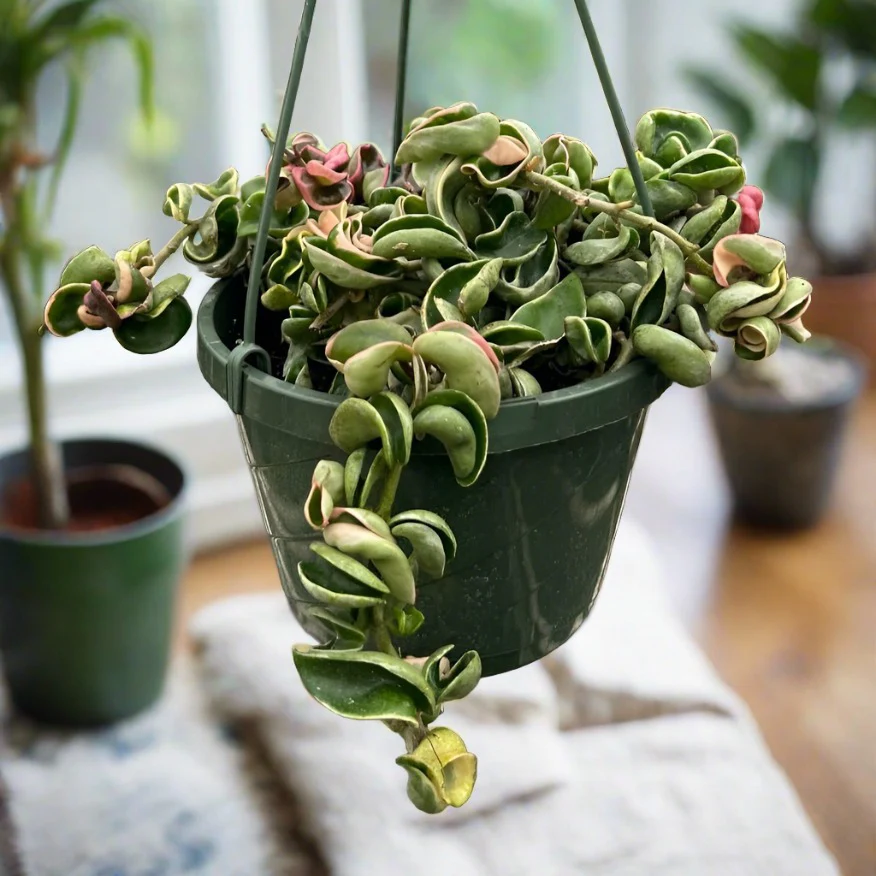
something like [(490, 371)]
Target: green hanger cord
[(258, 256), (261, 242)]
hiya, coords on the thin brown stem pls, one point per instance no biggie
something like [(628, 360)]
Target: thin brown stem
[(325, 317), (623, 212), (185, 233)]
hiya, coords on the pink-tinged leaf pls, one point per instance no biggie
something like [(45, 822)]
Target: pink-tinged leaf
[(462, 328), (362, 241), (304, 147), (299, 141), (388, 558), (309, 153), (317, 196), (329, 219), (750, 200), (754, 193), (368, 519), (359, 336), (365, 159), (506, 150), (326, 490), (337, 156), (796, 331), (89, 320), (323, 173)]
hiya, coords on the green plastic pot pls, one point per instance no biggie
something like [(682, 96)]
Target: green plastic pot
[(86, 618), (535, 532)]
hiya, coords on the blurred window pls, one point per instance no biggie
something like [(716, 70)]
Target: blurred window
[(113, 187)]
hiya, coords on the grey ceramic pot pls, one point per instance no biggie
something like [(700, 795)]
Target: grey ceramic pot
[(781, 457)]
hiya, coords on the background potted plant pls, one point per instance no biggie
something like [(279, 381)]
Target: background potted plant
[(823, 81), (90, 532), (781, 425), (486, 297)]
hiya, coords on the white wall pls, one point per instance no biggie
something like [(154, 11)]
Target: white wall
[(665, 34), (332, 100)]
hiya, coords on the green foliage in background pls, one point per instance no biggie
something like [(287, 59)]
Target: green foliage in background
[(800, 66), (36, 37), (459, 52)]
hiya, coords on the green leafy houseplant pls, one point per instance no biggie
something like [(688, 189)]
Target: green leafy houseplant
[(484, 264), (34, 38), (804, 68)]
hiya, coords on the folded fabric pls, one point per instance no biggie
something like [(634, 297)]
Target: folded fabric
[(633, 659), (620, 754)]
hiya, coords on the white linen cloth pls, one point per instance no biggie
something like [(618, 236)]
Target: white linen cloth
[(620, 755)]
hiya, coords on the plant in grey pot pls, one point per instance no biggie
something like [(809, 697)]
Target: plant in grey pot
[(781, 425), (441, 364), (90, 532), (822, 75)]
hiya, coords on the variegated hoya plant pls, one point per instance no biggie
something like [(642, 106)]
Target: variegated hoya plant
[(487, 265)]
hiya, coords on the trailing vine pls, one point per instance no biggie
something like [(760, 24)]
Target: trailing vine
[(362, 575)]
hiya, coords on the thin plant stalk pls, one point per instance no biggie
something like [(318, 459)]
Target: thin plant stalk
[(46, 464)]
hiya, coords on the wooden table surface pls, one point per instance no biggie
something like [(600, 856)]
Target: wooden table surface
[(789, 621), (791, 625)]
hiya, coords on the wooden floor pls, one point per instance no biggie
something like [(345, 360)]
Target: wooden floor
[(790, 623)]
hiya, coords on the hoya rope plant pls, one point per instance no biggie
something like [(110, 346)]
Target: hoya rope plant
[(489, 265)]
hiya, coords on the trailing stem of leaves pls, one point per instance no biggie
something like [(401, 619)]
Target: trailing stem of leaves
[(363, 579), (622, 212), (185, 234)]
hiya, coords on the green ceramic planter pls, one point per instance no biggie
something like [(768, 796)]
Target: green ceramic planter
[(535, 533), (86, 618)]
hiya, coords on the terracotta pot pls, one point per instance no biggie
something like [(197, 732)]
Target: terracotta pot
[(845, 308)]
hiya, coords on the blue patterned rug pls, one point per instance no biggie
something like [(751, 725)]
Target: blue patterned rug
[(171, 792)]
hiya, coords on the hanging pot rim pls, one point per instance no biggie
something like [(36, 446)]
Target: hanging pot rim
[(524, 422)]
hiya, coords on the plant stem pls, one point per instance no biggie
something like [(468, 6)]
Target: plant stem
[(384, 509), (382, 639), (626, 353), (169, 248), (620, 211), (46, 462), (325, 317), (46, 466)]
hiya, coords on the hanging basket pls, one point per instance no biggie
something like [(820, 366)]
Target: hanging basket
[(539, 525), (537, 528)]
